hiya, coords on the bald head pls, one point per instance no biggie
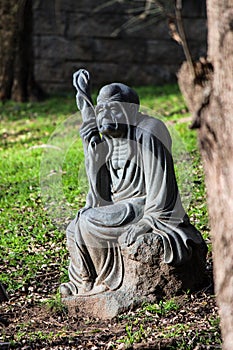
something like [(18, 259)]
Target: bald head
[(118, 92)]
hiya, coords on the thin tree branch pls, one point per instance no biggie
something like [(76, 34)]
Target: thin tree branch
[(183, 37)]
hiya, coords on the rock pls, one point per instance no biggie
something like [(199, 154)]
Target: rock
[(146, 279)]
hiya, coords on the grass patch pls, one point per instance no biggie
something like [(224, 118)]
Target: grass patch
[(161, 325), (30, 240)]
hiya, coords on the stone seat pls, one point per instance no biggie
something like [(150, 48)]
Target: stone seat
[(147, 278)]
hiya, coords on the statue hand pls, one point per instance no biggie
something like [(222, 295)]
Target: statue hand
[(81, 80), (130, 236), (90, 133)]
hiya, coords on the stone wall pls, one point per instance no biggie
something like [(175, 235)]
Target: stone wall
[(70, 34)]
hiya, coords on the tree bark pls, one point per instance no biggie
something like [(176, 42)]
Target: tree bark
[(210, 99), (16, 51)]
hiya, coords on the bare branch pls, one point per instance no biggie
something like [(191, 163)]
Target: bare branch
[(173, 31), (183, 37), (106, 4), (152, 8)]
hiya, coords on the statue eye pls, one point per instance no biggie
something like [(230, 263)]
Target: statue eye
[(114, 109), (99, 110)]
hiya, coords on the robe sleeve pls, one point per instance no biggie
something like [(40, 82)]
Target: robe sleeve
[(163, 211), (95, 150)]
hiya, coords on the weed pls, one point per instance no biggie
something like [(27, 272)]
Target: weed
[(55, 304), (133, 336), (162, 308)]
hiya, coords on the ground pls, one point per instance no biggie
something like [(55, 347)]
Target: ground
[(32, 320)]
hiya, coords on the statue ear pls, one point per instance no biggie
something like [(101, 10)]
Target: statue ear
[(133, 109)]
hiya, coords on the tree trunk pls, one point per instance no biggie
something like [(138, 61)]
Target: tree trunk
[(16, 51), (210, 99)]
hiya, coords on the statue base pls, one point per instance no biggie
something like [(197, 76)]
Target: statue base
[(146, 279)]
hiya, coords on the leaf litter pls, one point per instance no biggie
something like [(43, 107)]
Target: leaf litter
[(34, 318)]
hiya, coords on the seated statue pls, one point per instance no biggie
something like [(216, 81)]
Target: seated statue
[(132, 191)]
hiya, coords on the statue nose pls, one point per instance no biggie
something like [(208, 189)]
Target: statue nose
[(105, 114)]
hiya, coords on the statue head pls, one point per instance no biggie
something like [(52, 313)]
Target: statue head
[(117, 106)]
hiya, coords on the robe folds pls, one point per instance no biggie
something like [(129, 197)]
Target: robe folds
[(141, 191)]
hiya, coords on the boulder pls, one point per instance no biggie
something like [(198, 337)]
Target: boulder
[(147, 278)]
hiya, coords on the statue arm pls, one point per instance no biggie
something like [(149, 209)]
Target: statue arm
[(94, 148)]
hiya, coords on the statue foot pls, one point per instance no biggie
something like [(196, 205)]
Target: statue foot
[(86, 286), (97, 289), (68, 289)]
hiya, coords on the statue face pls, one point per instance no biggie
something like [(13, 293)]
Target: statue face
[(111, 119)]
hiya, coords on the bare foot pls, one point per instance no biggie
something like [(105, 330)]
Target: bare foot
[(68, 289), (95, 290), (86, 287)]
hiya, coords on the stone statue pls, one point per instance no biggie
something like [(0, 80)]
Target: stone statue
[(132, 191)]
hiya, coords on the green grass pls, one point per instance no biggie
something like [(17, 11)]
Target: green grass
[(28, 233), (151, 321)]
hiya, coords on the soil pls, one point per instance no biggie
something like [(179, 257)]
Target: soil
[(32, 319)]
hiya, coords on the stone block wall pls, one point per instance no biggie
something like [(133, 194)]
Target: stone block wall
[(70, 34)]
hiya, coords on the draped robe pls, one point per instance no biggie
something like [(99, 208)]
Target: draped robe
[(142, 191)]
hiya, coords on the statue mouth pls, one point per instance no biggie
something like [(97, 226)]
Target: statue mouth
[(108, 129), (112, 129)]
